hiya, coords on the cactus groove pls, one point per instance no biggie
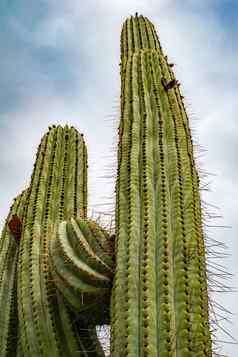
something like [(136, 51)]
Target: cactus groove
[(159, 301)]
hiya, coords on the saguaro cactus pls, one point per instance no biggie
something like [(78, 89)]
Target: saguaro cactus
[(57, 266), (159, 301)]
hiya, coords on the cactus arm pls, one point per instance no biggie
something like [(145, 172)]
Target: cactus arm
[(79, 270), (159, 304)]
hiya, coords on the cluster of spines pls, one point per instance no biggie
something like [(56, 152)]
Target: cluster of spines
[(159, 270)]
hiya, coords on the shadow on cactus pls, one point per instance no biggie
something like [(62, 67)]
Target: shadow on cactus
[(61, 275)]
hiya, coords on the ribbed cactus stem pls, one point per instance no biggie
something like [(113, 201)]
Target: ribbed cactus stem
[(57, 192), (82, 269), (159, 301), (8, 297)]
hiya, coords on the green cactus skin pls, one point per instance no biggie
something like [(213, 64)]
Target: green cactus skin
[(8, 279), (159, 303), (58, 191), (82, 268)]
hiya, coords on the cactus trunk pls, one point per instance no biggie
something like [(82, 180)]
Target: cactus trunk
[(159, 303)]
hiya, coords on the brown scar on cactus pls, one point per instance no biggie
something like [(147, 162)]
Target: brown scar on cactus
[(170, 84), (15, 227)]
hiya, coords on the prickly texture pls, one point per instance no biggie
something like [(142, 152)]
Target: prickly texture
[(57, 192), (159, 304), (82, 268), (8, 279)]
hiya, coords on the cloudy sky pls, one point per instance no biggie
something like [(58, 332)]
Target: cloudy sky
[(59, 63)]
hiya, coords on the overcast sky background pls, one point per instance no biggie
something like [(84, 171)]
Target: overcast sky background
[(59, 63)]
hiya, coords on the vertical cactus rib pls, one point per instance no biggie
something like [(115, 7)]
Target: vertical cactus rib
[(8, 264), (119, 306), (159, 303), (29, 269)]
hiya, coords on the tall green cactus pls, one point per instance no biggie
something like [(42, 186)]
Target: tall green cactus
[(57, 270), (159, 301), (57, 191)]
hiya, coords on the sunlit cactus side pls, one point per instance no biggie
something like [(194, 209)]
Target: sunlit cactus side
[(159, 304), (8, 279), (57, 193)]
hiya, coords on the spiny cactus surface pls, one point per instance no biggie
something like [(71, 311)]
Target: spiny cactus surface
[(159, 303)]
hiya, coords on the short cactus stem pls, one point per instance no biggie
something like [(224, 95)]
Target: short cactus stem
[(79, 269), (159, 303)]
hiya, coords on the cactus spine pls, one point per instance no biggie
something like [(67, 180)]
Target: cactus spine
[(159, 300)]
